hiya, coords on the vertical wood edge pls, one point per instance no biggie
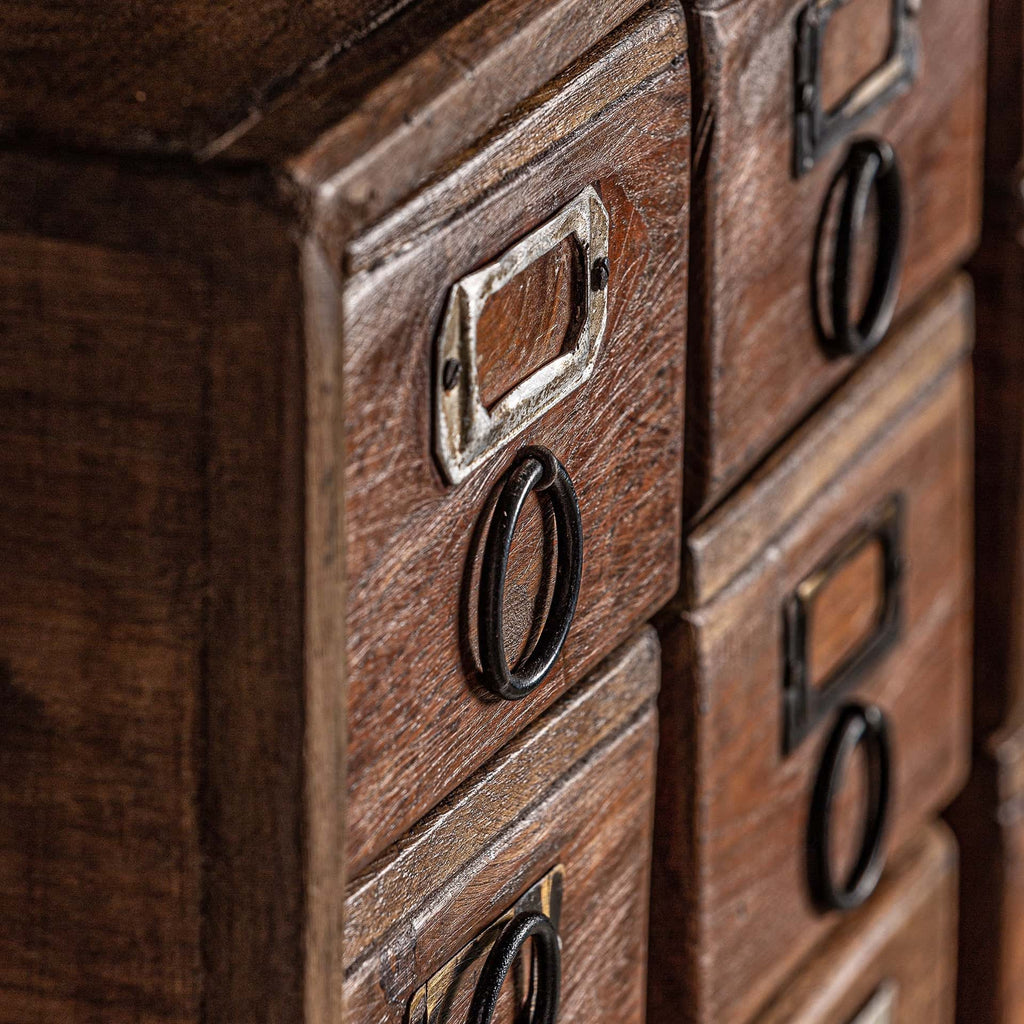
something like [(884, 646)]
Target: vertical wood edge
[(325, 732)]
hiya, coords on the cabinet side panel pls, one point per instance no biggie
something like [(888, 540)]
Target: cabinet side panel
[(101, 619), (152, 433)]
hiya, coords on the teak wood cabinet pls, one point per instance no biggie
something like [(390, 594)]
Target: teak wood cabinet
[(488, 527)]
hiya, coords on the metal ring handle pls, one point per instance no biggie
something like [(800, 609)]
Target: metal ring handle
[(870, 164), (539, 471), (857, 724), (547, 969)]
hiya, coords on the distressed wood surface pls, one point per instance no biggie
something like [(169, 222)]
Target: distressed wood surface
[(413, 541), (576, 788), (100, 626), (157, 78), (731, 910), (757, 367), (904, 939), (998, 270)]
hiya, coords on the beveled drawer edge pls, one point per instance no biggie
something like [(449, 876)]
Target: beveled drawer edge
[(629, 684)]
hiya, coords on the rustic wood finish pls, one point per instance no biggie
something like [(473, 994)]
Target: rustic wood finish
[(414, 541), (731, 909), (905, 938), (173, 656), (989, 821), (575, 789), (756, 363)]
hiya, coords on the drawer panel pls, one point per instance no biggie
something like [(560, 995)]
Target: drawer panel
[(474, 322), (893, 961), (561, 817), (988, 819), (807, 107), (816, 676)]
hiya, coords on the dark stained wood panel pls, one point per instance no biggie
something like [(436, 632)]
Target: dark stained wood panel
[(998, 270), (575, 789), (100, 630), (413, 541), (159, 617), (159, 77)]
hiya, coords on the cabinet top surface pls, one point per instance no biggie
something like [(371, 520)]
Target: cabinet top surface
[(264, 80), (160, 77)]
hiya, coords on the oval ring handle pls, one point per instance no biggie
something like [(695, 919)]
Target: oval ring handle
[(870, 164), (538, 470), (547, 969), (857, 724)]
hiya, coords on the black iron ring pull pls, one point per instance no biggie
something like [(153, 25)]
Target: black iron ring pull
[(547, 969), (858, 724), (871, 164), (539, 471)]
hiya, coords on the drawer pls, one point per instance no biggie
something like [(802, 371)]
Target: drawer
[(558, 823), (988, 819), (831, 132), (815, 696), (528, 298), (894, 960)]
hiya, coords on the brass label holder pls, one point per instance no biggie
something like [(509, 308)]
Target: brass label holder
[(804, 704)]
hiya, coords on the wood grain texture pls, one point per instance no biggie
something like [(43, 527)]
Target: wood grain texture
[(414, 696), (731, 912), (99, 632), (756, 365), (904, 938), (158, 78), (154, 432), (988, 819), (576, 788)]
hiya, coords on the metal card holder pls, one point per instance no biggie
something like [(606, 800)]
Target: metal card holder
[(816, 130), (881, 1007), (804, 704), (466, 433), (432, 1002)]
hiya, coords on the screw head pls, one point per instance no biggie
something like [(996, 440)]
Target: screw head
[(599, 274), (450, 373)]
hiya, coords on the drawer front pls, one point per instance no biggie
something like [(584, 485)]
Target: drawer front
[(815, 706), (558, 823), (528, 299), (782, 269), (893, 961), (988, 819)]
